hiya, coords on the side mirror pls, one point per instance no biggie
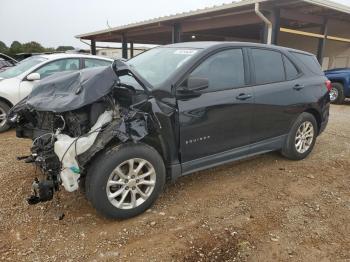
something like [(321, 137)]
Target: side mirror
[(197, 83), (33, 77)]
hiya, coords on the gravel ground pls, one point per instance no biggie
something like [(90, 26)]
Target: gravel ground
[(262, 209)]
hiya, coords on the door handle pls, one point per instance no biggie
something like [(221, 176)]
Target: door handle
[(243, 97), (298, 87)]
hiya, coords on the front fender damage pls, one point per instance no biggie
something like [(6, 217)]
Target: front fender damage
[(75, 153), (131, 126), (65, 141)]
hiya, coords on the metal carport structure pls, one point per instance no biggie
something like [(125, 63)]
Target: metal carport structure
[(305, 24)]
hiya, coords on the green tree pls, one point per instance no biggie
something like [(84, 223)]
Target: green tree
[(15, 48), (50, 49), (3, 48), (30, 47), (33, 47), (64, 48)]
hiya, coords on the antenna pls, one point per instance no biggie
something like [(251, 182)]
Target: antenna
[(108, 25)]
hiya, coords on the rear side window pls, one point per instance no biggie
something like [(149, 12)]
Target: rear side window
[(96, 63), (268, 66), (291, 71), (224, 70), (310, 61)]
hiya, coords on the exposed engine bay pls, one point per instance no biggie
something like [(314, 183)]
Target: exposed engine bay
[(72, 116)]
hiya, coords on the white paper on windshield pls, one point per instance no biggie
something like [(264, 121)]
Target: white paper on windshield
[(185, 52)]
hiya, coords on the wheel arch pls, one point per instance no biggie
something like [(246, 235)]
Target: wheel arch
[(152, 141), (317, 116), (158, 143), (340, 81), (2, 99), (336, 77)]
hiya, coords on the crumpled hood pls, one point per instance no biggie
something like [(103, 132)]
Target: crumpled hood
[(69, 91)]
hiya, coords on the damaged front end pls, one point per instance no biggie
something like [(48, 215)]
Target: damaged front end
[(72, 116)]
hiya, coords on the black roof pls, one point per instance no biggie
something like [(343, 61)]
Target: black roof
[(217, 44)]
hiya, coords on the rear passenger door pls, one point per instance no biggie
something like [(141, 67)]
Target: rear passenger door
[(277, 93)]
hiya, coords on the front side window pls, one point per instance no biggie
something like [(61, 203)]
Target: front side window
[(70, 64), (89, 63), (22, 67), (224, 70), (268, 66)]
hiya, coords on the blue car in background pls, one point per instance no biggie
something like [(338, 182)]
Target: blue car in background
[(340, 78)]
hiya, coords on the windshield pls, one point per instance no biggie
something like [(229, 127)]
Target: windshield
[(157, 64), (21, 67)]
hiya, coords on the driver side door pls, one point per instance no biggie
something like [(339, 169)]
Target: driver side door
[(217, 119)]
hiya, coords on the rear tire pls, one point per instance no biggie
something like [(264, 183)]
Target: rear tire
[(337, 94), (4, 109), (301, 138), (125, 181)]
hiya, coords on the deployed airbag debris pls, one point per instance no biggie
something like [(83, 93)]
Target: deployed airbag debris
[(133, 126), (67, 148)]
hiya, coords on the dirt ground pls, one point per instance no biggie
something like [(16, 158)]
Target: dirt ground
[(261, 209)]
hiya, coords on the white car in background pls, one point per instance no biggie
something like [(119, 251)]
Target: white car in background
[(17, 82)]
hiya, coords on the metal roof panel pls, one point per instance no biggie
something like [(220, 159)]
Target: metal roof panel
[(217, 8), (182, 15)]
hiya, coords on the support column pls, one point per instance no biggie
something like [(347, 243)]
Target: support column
[(322, 41), (93, 47), (131, 49), (276, 25), (124, 47), (176, 33), (275, 17), (263, 34)]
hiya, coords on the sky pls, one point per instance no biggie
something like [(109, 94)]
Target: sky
[(56, 22)]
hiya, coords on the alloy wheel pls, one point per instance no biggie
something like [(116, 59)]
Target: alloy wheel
[(3, 116), (131, 183), (333, 94), (304, 137)]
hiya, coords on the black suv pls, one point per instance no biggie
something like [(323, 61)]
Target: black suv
[(120, 132)]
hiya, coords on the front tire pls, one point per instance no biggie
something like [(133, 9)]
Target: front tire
[(125, 181), (337, 94), (4, 109), (301, 138)]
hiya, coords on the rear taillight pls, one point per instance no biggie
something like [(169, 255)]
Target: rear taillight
[(329, 85)]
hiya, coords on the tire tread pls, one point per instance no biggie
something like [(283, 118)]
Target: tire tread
[(98, 172), (288, 149)]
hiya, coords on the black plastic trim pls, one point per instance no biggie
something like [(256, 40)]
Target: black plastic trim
[(262, 147)]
